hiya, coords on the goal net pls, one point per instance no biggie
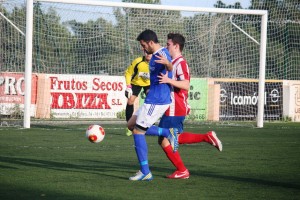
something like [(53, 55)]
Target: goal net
[(225, 50)]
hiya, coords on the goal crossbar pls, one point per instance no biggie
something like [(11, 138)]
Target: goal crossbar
[(160, 7)]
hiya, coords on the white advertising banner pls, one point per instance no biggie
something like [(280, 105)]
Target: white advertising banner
[(86, 96), (291, 97)]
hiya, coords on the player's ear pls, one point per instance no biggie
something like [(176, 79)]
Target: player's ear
[(151, 42), (176, 46)]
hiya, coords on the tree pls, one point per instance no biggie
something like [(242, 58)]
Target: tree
[(50, 36), (12, 42)]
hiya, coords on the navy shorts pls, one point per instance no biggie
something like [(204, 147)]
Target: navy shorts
[(172, 122)]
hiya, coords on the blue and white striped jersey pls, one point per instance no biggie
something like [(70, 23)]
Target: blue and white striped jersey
[(159, 94)]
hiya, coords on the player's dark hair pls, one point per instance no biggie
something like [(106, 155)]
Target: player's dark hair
[(177, 38), (147, 35)]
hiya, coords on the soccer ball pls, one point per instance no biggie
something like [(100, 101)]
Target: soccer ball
[(95, 133)]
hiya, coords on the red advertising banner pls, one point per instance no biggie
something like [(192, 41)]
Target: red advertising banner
[(12, 90)]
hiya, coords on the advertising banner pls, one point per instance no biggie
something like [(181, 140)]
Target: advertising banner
[(12, 90), (297, 102), (86, 96), (291, 99), (238, 100), (198, 99)]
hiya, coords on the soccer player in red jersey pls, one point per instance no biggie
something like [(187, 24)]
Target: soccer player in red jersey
[(179, 108)]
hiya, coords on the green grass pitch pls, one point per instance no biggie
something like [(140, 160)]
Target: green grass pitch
[(58, 162)]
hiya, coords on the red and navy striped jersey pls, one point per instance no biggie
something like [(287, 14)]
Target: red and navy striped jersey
[(179, 105)]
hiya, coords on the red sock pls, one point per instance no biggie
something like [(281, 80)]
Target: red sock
[(174, 158), (189, 138)]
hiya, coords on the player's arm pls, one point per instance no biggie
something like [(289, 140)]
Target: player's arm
[(163, 60), (181, 84), (128, 76), (129, 72)]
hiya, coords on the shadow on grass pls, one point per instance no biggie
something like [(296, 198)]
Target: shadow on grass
[(79, 127), (27, 192), (105, 169), (11, 190), (102, 168), (56, 127), (246, 180)]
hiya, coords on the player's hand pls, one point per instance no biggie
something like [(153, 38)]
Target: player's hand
[(144, 75), (162, 60), (128, 91), (163, 78)]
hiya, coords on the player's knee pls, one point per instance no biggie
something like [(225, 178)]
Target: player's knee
[(131, 100), (130, 126), (131, 122), (163, 142)]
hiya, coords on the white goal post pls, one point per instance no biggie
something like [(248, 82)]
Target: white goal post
[(262, 44)]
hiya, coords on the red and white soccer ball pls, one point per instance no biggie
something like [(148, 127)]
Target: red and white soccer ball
[(95, 133)]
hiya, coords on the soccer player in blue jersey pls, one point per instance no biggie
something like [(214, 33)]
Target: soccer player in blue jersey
[(175, 115), (156, 103)]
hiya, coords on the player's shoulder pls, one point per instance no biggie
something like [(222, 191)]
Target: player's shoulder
[(138, 59), (164, 52), (179, 60)]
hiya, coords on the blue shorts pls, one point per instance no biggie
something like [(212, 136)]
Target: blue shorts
[(172, 122)]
